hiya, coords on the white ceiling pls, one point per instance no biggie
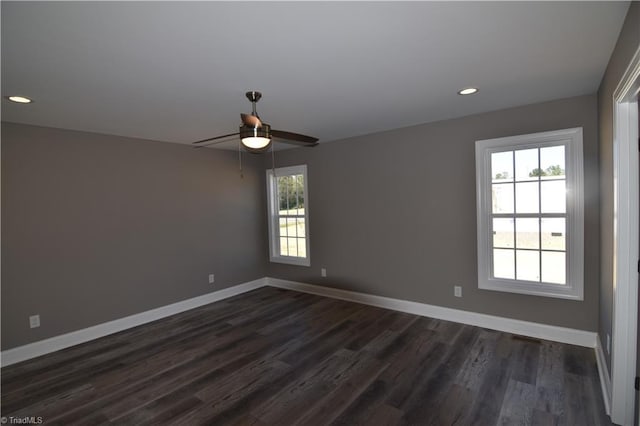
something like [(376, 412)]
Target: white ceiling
[(177, 72)]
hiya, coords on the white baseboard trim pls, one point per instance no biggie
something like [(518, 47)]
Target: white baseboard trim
[(42, 347), (605, 377), (525, 328)]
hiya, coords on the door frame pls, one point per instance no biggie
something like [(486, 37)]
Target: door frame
[(625, 257)]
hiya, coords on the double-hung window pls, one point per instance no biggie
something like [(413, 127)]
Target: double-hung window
[(288, 204), (530, 214)]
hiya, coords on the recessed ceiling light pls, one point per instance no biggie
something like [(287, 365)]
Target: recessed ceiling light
[(468, 91), (19, 99)]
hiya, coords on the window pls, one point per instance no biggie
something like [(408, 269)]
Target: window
[(288, 201), (530, 214)]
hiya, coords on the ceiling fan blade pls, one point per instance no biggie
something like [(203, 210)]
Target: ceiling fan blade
[(294, 138), (211, 143), (298, 143), (215, 138), (251, 121)]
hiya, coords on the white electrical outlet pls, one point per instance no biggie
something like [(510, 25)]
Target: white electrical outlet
[(608, 344), (34, 321), (212, 278), (457, 291), (323, 272)]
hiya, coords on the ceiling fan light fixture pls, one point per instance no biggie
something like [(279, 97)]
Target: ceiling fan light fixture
[(256, 138), (255, 142)]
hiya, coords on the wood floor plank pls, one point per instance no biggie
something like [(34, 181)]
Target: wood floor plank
[(454, 408), (313, 310), (543, 418), (474, 370), (347, 390), (575, 361), (154, 411), (525, 367), (384, 415), (550, 387), (575, 410), (518, 403), (414, 373), (218, 396), (386, 342), (430, 393), (360, 410), (278, 357), (290, 403), (488, 402)]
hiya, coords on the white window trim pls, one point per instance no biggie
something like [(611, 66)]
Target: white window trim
[(274, 240), (572, 139), (625, 235)]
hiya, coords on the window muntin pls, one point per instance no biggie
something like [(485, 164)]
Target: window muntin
[(288, 215), (530, 218)]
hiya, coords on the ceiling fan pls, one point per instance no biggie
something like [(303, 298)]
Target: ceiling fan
[(256, 135)]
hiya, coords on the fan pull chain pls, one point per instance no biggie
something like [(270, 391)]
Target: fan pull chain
[(273, 160), (240, 158)]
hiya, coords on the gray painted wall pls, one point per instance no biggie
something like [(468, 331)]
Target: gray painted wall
[(97, 227), (628, 43), (394, 213)]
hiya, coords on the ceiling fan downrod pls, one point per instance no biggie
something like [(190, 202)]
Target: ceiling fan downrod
[(254, 97)]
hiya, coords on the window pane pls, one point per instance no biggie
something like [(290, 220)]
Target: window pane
[(502, 166), (527, 164), (552, 162), (284, 248), (528, 265), (527, 233), (300, 194), (300, 225), (503, 265), (283, 227), (283, 189), (554, 267), (554, 197), (302, 247), (553, 234), (291, 227), (502, 197), (503, 233), (292, 243), (527, 197)]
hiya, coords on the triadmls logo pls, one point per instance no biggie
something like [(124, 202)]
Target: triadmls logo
[(26, 420)]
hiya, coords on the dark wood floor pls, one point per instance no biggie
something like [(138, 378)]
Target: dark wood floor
[(279, 357)]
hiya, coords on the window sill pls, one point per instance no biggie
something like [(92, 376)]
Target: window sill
[(533, 289), (297, 261)]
